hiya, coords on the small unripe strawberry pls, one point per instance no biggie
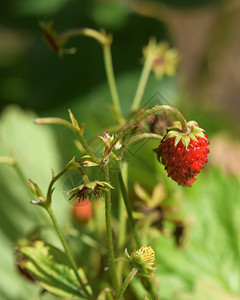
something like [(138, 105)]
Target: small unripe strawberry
[(82, 211), (184, 154), (143, 260)]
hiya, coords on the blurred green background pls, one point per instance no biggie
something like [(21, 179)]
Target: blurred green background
[(35, 82)]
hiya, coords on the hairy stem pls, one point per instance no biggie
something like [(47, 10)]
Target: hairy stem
[(137, 138), (108, 217), (126, 283), (122, 222), (147, 113)]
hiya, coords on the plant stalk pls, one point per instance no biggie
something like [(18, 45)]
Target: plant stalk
[(126, 283), (105, 40), (137, 138), (67, 251), (143, 80), (122, 222), (128, 205), (108, 216), (111, 81)]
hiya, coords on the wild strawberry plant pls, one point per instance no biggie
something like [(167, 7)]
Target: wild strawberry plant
[(183, 149)]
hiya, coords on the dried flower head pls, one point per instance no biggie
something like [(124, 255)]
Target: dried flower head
[(88, 190)]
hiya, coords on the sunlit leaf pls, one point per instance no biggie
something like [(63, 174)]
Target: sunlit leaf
[(50, 268)]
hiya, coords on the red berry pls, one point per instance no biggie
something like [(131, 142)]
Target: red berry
[(184, 160), (82, 211)]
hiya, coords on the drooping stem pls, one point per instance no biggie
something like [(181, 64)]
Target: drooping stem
[(63, 122), (137, 138), (108, 217), (147, 113), (67, 251), (128, 205), (100, 37), (126, 283)]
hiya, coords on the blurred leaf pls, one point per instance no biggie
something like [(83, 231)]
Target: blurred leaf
[(50, 268), (212, 251), (39, 7), (111, 14), (37, 152), (207, 291)]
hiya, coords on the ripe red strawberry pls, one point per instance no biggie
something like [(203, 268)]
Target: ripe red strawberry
[(82, 211), (184, 154)]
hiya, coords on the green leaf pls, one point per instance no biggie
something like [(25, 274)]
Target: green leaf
[(51, 269), (37, 151)]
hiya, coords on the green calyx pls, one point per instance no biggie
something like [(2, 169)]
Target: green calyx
[(193, 131)]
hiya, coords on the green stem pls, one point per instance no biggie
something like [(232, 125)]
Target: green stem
[(128, 205), (137, 138), (122, 223), (63, 122), (105, 40), (108, 216), (143, 79), (111, 80), (147, 113), (100, 37), (67, 251), (126, 283)]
